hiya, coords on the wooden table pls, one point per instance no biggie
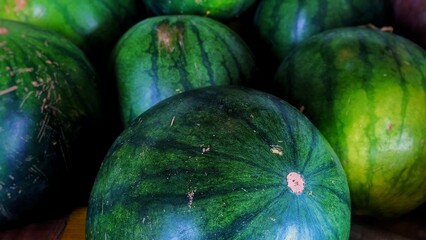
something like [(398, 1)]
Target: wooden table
[(72, 227), (75, 227)]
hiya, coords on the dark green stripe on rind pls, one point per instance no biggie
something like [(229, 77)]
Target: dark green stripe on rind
[(238, 66), (153, 72), (369, 131), (203, 55), (201, 164)]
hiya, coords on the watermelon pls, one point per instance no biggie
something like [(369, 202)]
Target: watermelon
[(220, 162), (217, 9), (94, 26), (48, 104), (283, 24), (365, 90), (165, 55)]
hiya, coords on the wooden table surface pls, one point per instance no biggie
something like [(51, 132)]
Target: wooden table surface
[(75, 227), (72, 227)]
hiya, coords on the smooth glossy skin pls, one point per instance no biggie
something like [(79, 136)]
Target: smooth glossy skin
[(220, 163), (217, 9), (89, 24), (166, 55), (283, 24), (366, 91)]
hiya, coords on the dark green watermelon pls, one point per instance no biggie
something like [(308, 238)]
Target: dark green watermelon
[(165, 55), (283, 24), (217, 9), (48, 105), (221, 162), (365, 90)]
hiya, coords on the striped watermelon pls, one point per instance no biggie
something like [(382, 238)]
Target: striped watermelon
[(283, 24), (165, 55), (221, 162), (49, 110), (217, 9), (94, 26), (366, 91)]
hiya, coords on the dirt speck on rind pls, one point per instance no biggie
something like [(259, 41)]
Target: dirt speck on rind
[(277, 149), (190, 196), (204, 149), (172, 121), (8, 90)]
